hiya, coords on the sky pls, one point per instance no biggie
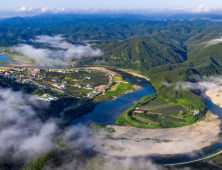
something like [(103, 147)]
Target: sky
[(31, 7)]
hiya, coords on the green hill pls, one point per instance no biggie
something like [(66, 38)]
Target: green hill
[(142, 53)]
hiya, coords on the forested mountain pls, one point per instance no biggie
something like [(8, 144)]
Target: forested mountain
[(170, 48), (143, 53), (168, 51)]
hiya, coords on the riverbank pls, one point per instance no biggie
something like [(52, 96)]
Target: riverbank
[(134, 74), (215, 95), (131, 141)]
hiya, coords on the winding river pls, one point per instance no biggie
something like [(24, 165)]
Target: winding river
[(108, 112)]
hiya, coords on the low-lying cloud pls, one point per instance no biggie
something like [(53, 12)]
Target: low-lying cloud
[(201, 83), (63, 51), (214, 41), (23, 135)]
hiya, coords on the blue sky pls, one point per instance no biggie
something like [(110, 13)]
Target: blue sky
[(29, 7), (81, 4)]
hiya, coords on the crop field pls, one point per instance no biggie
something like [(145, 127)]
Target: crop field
[(158, 106), (121, 89), (157, 114), (114, 87), (77, 92), (117, 78), (97, 78), (158, 110)]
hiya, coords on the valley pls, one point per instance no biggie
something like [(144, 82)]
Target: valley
[(126, 88)]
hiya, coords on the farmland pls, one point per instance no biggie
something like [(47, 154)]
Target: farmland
[(154, 112), (120, 89), (76, 81), (117, 78)]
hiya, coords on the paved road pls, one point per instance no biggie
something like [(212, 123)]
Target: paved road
[(197, 160)]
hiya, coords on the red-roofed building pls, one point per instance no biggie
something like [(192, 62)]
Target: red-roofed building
[(139, 111)]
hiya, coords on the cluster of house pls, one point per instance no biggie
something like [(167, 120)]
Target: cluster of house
[(35, 70), (91, 94), (194, 112), (138, 110), (48, 98), (7, 73), (81, 87), (87, 78), (32, 71), (11, 51), (60, 86), (63, 71), (23, 81)]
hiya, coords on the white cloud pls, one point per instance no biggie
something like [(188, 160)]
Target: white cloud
[(205, 9), (23, 135), (201, 83), (24, 9), (214, 41), (64, 51), (144, 11)]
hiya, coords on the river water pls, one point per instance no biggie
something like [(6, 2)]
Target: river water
[(4, 58), (108, 112)]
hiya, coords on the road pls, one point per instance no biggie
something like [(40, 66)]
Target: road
[(197, 160), (37, 84)]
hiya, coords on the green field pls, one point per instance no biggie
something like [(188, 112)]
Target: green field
[(115, 86), (117, 78), (157, 114), (4, 63), (97, 78), (77, 91), (120, 90)]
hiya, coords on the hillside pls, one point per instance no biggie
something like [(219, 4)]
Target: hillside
[(142, 53)]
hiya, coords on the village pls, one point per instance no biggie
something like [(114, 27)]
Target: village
[(80, 83)]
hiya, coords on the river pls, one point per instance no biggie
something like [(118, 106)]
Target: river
[(4, 58), (108, 112)]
